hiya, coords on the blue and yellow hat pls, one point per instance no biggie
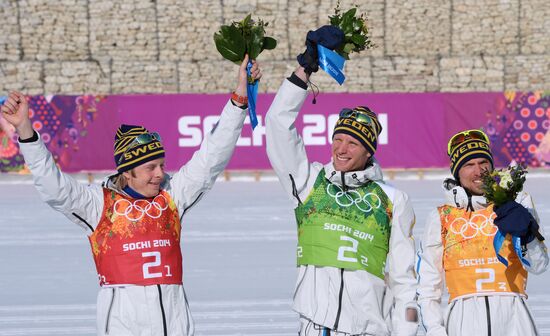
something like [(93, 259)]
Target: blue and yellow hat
[(134, 146), (467, 145), (362, 124)]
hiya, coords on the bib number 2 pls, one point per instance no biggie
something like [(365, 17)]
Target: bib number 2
[(350, 249), (489, 278), (343, 249), (147, 274)]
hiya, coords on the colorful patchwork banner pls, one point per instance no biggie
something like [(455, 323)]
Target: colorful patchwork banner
[(79, 130)]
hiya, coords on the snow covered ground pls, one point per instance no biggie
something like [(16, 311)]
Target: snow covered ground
[(239, 271)]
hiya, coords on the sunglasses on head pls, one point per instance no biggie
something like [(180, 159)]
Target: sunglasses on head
[(459, 138), (141, 139), (359, 116)]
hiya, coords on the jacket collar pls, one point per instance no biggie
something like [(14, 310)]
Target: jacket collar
[(354, 179), (458, 197)]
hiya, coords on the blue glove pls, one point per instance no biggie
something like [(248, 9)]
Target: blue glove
[(328, 36), (516, 220)]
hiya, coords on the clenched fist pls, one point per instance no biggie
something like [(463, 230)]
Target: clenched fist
[(15, 111)]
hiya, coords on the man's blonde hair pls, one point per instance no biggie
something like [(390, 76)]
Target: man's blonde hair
[(120, 182)]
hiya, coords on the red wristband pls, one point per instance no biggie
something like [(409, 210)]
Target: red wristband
[(239, 99)]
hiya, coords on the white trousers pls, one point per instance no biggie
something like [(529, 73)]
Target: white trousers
[(308, 328), (494, 315)]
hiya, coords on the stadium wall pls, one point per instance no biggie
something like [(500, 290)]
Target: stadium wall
[(166, 46)]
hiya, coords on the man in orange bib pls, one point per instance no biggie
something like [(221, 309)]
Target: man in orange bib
[(485, 297), (133, 221)]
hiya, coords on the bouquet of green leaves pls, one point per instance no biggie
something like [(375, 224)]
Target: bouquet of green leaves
[(356, 33), (236, 40), (243, 37), (503, 185)]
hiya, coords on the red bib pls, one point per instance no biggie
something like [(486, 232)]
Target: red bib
[(137, 241)]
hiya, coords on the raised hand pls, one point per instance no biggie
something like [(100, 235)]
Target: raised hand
[(328, 36), (16, 112), (255, 72)]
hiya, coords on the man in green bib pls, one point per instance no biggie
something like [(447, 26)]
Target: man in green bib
[(354, 231)]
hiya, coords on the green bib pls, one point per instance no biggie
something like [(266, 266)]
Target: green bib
[(349, 230)]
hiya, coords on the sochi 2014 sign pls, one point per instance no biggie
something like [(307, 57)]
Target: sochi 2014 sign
[(79, 130)]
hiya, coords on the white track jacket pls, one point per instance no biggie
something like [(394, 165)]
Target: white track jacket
[(488, 314), (354, 300), (139, 310)]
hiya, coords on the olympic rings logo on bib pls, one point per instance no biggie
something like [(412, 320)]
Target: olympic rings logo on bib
[(135, 211), (470, 229), (353, 197)]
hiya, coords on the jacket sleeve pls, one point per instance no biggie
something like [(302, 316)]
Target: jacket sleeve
[(198, 175), (537, 253), (401, 276), (430, 277), (285, 147), (82, 204)]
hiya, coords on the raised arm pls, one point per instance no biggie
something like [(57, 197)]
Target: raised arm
[(80, 203), (285, 147), (196, 177)]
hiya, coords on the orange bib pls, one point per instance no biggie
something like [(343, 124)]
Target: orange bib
[(469, 259), (137, 241)]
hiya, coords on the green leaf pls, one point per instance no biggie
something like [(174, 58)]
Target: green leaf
[(245, 36), (342, 53), (256, 42), (246, 21), (350, 13), (349, 47), (347, 21), (500, 198), (357, 25), (356, 35), (347, 26), (269, 43), (359, 39), (230, 43)]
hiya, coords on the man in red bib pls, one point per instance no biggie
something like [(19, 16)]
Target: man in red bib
[(485, 297), (133, 221)]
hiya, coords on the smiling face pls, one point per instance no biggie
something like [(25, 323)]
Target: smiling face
[(348, 154), (146, 178), (470, 175)]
